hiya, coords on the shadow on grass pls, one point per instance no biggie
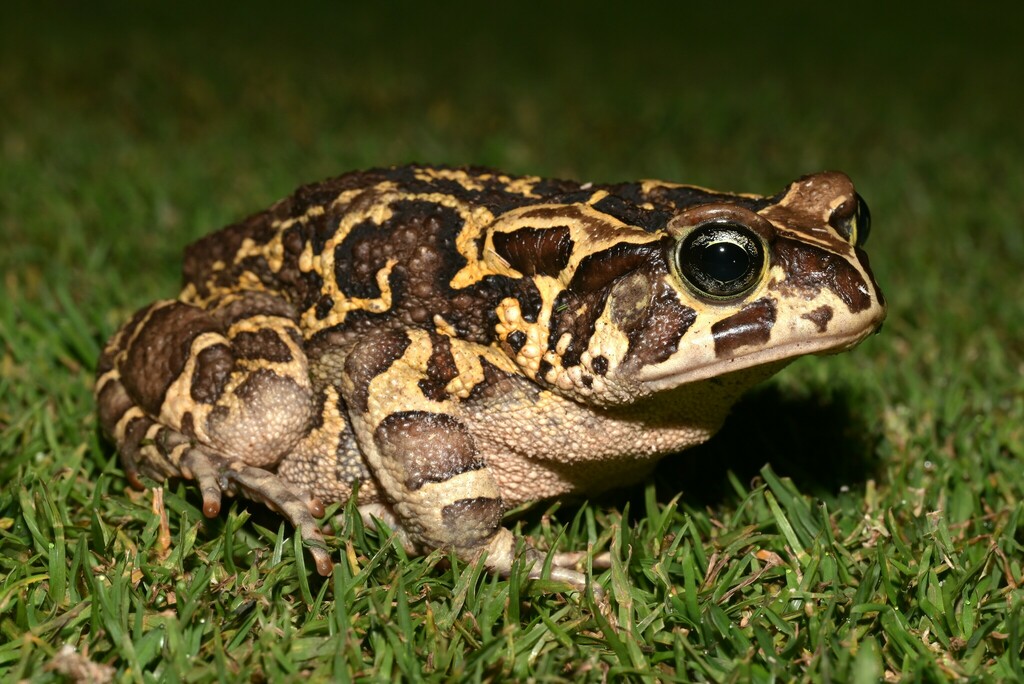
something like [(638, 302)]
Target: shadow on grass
[(821, 443), (818, 439)]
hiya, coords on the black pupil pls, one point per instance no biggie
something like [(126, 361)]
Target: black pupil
[(725, 261), (720, 260)]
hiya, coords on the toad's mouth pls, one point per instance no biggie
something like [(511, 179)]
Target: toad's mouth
[(679, 372)]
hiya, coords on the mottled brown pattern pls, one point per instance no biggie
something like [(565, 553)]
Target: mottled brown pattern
[(820, 317), (135, 431), (369, 359), (516, 339), (567, 212), (188, 425), (472, 521), (811, 268), (576, 315), (262, 344), (212, 371), (431, 447), (596, 271), (533, 251), (113, 403), (629, 213), (577, 308), (630, 299), (750, 326), (259, 267), (264, 383), (413, 236), (679, 198), (324, 307), (441, 369), (419, 237), (157, 356), (251, 305), (202, 255), (807, 207), (495, 385), (664, 323)]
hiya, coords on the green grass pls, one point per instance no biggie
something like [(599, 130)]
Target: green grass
[(860, 517)]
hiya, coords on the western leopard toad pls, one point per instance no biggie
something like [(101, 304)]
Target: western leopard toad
[(459, 341)]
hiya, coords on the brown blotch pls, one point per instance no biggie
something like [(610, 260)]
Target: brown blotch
[(324, 307), (212, 371), (750, 326), (576, 315), (516, 339), (109, 356), (629, 299), (257, 266), (158, 354), (113, 402), (629, 213), (535, 251), (420, 239), (820, 317), (599, 364), (369, 359), (201, 257), (441, 369), (134, 434), (809, 268), (675, 199), (496, 383), (656, 337), (472, 521), (263, 383), (807, 205), (251, 305), (262, 344), (431, 447), (293, 241), (596, 227), (188, 426), (596, 271)]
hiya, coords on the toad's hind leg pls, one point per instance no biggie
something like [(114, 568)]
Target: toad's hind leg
[(218, 395), (410, 429)]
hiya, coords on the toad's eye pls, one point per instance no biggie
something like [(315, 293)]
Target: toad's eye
[(720, 260), (852, 219), (863, 222)]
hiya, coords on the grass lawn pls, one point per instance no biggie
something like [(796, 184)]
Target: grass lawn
[(860, 517)]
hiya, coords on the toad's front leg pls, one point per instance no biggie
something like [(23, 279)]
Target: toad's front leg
[(215, 394), (412, 434)]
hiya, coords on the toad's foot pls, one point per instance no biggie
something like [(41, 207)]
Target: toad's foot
[(232, 478)]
